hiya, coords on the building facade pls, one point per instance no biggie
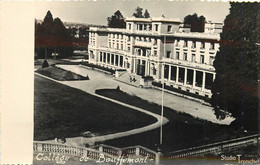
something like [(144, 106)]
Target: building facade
[(158, 47)]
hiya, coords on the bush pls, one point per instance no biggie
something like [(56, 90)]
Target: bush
[(45, 64)]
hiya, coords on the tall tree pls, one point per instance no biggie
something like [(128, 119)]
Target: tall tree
[(146, 14), (237, 64), (52, 36), (197, 23), (138, 12), (117, 20)]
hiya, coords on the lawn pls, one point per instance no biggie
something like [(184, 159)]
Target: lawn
[(60, 74), (182, 130), (62, 111)]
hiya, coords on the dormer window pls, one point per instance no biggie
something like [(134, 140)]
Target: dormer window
[(140, 27), (156, 27), (169, 29)]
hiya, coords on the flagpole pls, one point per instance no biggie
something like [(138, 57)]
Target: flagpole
[(161, 129)]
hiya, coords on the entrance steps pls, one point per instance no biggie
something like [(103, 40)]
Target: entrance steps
[(129, 78)]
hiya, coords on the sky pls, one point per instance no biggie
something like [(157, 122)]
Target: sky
[(96, 12)]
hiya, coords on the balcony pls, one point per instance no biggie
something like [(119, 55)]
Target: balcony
[(189, 64), (198, 35), (143, 44)]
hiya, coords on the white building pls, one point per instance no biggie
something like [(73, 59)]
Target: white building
[(155, 47)]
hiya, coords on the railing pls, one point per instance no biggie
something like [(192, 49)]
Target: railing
[(96, 152), (215, 147), (189, 64), (69, 150), (197, 35), (133, 151)]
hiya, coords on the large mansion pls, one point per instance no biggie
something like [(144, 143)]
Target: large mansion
[(160, 48)]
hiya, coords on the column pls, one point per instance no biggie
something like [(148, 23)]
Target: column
[(134, 67), (203, 81), (177, 74), (123, 62), (170, 72), (162, 73), (214, 76), (194, 78), (137, 151), (118, 64), (146, 67), (110, 58), (102, 57), (106, 58), (185, 76)]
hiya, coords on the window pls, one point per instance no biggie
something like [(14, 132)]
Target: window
[(148, 52), (177, 55), (202, 46), (100, 57), (177, 43), (193, 57), (104, 59), (155, 53), (193, 44), (211, 60), (140, 27), (185, 56), (129, 25), (168, 55), (122, 47), (108, 58), (185, 44), (212, 45), (139, 52), (92, 55), (153, 69), (129, 49), (169, 29), (202, 59), (112, 59), (156, 27)]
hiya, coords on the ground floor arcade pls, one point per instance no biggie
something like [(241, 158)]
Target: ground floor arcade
[(194, 80)]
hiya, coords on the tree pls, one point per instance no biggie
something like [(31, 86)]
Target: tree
[(117, 20), (146, 14), (197, 23), (237, 64), (138, 12), (52, 36)]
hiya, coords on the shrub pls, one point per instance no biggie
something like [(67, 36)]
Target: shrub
[(45, 64)]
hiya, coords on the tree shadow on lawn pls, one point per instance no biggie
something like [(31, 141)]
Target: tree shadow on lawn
[(62, 111)]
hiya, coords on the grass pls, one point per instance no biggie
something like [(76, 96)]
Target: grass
[(182, 130), (111, 71), (60, 74), (62, 111)]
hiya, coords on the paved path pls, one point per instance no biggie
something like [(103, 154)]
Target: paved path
[(81, 141), (100, 80)]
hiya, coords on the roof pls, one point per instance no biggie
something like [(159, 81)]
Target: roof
[(154, 19)]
